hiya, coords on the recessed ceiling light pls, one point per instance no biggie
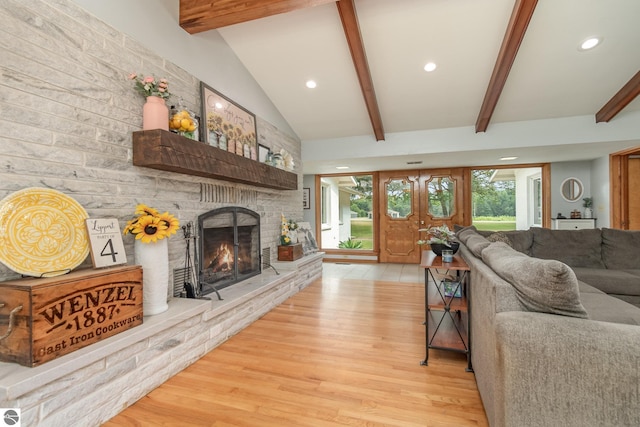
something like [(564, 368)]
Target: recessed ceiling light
[(508, 158), (342, 167), (218, 105), (311, 84), (430, 66), (590, 43)]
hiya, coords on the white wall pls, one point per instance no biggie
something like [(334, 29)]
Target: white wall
[(331, 231), (600, 191), (524, 197), (155, 25), (561, 171), (309, 215), (345, 212)]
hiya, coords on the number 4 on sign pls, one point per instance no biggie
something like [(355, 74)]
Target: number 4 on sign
[(107, 248)]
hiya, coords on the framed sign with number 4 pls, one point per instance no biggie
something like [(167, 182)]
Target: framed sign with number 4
[(106, 244)]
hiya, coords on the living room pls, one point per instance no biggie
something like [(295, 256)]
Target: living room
[(69, 112)]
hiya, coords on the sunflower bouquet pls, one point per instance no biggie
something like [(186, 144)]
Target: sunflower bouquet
[(150, 225), (285, 240)]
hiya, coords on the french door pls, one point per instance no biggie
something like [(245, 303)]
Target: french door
[(412, 200)]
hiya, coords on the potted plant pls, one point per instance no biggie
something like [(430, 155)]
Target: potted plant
[(587, 204), (440, 238), (152, 230), (155, 114)]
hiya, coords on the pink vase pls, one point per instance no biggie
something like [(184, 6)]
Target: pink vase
[(155, 114)]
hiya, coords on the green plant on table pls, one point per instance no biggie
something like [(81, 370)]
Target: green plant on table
[(441, 235)]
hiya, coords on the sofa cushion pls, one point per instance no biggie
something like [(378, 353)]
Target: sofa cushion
[(521, 240), (499, 237), (576, 248), (631, 299), (465, 232), (606, 308), (476, 244), (586, 288), (621, 248), (619, 282), (546, 286)]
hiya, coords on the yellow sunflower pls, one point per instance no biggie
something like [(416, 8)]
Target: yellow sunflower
[(150, 226), (149, 229), (131, 225), (171, 222), (143, 209)]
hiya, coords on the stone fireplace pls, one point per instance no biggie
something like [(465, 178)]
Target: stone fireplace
[(229, 247)]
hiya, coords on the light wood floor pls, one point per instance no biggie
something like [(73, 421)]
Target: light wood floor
[(340, 352)]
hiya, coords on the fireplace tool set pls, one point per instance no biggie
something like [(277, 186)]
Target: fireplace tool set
[(191, 283)]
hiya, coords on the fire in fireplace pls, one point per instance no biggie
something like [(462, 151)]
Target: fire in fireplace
[(229, 249)]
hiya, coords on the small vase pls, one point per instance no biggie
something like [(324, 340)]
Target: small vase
[(155, 114), (154, 259), (588, 213)]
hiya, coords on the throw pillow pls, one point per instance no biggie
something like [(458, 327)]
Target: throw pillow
[(546, 286), (477, 244), (464, 233), (499, 237)]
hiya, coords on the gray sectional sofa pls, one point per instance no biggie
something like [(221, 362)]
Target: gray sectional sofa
[(555, 336)]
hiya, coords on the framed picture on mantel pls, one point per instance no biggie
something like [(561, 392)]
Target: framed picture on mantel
[(226, 120)]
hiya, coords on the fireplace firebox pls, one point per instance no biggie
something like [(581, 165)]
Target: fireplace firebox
[(229, 247)]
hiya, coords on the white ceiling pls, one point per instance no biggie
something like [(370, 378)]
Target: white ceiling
[(550, 78)]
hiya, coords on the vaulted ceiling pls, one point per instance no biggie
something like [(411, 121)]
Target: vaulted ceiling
[(498, 61)]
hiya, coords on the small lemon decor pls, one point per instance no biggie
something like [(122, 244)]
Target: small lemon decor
[(184, 124)]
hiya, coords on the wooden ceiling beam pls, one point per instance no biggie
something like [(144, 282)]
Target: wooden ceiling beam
[(520, 17), (620, 100), (349, 18), (197, 16)]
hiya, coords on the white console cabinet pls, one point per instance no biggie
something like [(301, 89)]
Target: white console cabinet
[(573, 224)]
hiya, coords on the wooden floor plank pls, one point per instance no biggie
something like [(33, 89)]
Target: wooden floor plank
[(342, 352)]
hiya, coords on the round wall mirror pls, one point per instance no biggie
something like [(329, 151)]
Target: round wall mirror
[(571, 189)]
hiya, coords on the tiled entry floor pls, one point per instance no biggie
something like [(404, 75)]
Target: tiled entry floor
[(409, 273)]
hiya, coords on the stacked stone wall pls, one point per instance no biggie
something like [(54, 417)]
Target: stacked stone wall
[(67, 113)]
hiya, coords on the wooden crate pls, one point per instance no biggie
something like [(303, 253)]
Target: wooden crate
[(290, 252), (65, 313)]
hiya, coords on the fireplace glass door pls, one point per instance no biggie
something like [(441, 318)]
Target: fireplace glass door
[(229, 247)]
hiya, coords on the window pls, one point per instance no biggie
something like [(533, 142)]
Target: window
[(507, 198), (494, 199), (441, 194), (346, 212), (399, 203)]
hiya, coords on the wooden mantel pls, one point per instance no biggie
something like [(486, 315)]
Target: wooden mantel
[(167, 151)]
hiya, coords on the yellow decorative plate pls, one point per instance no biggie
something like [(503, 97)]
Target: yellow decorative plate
[(42, 232)]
